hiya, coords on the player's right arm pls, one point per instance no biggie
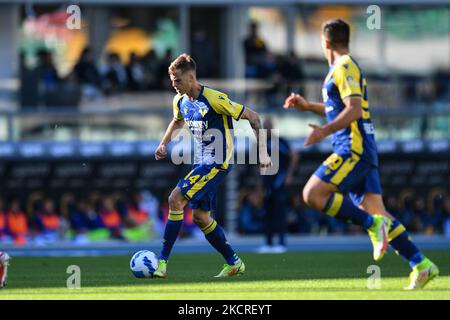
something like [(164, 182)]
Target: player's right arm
[(176, 124), (296, 101)]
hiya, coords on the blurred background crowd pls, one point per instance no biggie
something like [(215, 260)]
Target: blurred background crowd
[(99, 217)]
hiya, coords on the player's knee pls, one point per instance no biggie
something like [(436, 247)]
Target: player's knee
[(314, 197), (309, 196), (176, 200), (201, 220)]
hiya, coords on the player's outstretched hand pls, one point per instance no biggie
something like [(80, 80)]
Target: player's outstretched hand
[(296, 101), (160, 152), (264, 162), (317, 134)]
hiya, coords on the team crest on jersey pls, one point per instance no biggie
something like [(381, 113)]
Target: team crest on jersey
[(202, 108)]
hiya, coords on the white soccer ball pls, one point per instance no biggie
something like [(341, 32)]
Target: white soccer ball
[(143, 264)]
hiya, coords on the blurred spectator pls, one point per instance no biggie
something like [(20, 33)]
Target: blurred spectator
[(114, 74), (268, 66), (392, 205), (137, 214), (301, 218), (294, 212), (48, 78), (69, 91), (29, 88), (255, 50), (251, 214), (111, 218), (163, 79), (79, 221), (136, 73), (292, 72), (431, 219), (47, 223), (275, 193), (87, 74), (419, 211), (406, 213), (151, 64), (17, 223)]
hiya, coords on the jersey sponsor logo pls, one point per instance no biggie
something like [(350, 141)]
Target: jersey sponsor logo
[(197, 124), (329, 108)]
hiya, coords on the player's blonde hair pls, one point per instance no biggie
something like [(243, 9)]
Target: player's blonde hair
[(183, 62)]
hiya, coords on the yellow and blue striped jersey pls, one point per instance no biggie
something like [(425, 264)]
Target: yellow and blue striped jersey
[(345, 79), (211, 110)]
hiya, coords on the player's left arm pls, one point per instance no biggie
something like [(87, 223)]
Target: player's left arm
[(351, 112), (347, 82), (223, 105), (255, 122)]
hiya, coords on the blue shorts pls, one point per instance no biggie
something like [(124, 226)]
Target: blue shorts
[(351, 175), (201, 184)]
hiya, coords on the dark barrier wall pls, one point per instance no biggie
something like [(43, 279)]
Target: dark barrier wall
[(57, 168)]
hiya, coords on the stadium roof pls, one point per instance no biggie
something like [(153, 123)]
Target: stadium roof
[(225, 2)]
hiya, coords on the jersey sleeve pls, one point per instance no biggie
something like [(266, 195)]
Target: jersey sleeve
[(223, 105), (346, 78), (176, 108)]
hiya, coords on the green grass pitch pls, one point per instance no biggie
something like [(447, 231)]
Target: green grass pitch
[(296, 275)]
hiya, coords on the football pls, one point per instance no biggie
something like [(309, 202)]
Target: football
[(143, 264)]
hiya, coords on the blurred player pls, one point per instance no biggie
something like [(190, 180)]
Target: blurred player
[(353, 167), (4, 262), (275, 193), (203, 108)]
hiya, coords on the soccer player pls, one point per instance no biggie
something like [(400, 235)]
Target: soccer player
[(4, 262), (275, 193), (353, 167), (203, 108)]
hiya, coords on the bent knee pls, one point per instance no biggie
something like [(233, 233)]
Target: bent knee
[(315, 197), (176, 200), (307, 196), (201, 220)]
